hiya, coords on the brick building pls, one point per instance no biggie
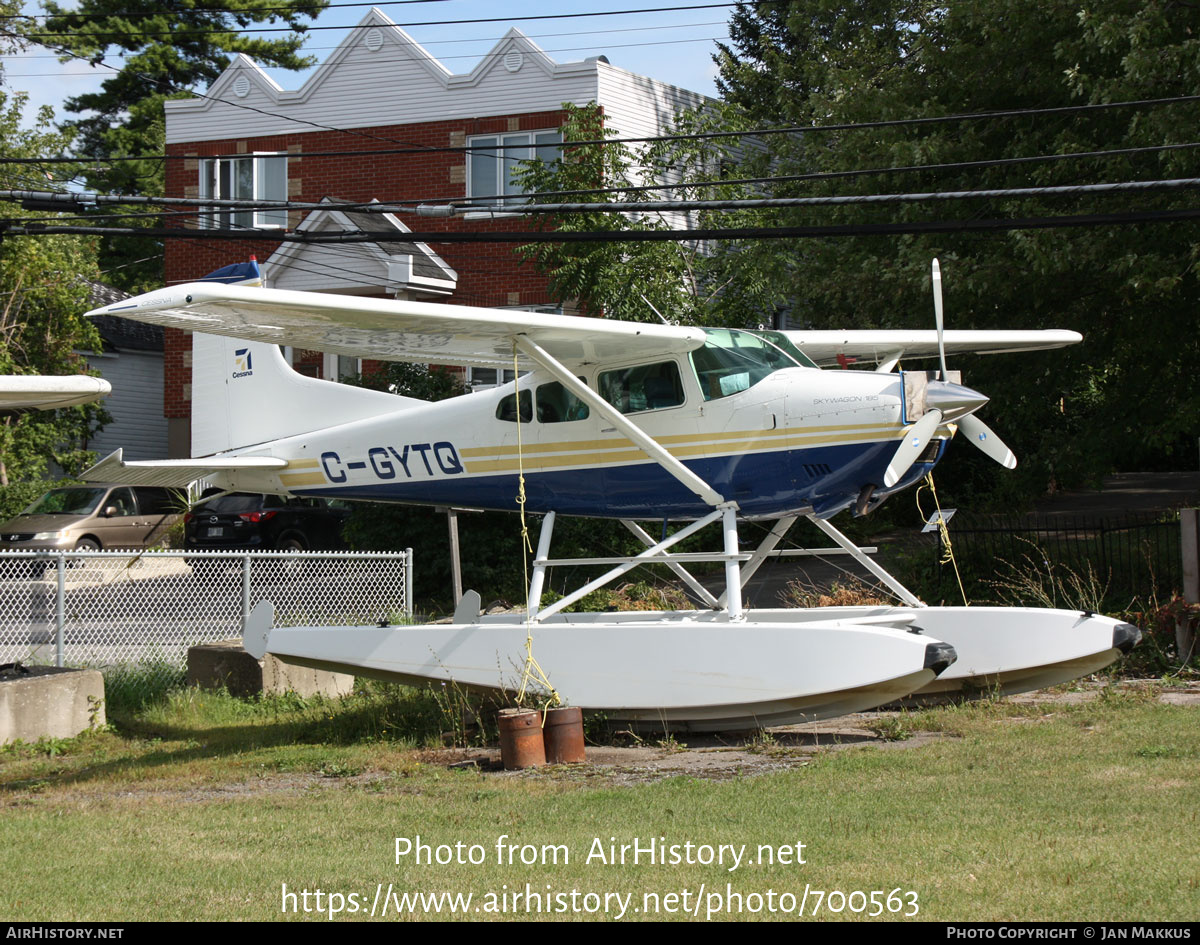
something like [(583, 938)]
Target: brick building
[(380, 91)]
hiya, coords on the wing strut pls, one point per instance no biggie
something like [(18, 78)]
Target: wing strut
[(643, 440)]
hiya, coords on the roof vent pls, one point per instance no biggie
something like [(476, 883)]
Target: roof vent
[(241, 86), (374, 39), (513, 60)]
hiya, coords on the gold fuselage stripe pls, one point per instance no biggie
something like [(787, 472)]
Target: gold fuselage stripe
[(884, 430), (633, 454)]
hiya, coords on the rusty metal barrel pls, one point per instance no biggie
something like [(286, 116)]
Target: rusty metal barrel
[(563, 736), (521, 739)]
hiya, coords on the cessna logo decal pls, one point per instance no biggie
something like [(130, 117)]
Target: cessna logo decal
[(241, 363)]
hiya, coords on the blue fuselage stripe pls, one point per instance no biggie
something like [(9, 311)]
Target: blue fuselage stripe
[(765, 483)]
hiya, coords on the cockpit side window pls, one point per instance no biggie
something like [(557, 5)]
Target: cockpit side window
[(645, 387), (556, 404), (732, 361)]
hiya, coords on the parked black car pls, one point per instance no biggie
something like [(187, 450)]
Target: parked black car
[(253, 521)]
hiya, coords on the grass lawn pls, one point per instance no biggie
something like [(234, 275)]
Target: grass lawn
[(204, 808)]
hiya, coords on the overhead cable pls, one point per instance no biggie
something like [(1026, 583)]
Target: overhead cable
[(665, 138), (413, 23), (623, 236)]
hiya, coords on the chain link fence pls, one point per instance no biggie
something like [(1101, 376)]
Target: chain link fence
[(136, 614)]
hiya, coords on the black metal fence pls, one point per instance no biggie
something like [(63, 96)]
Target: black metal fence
[(1129, 557)]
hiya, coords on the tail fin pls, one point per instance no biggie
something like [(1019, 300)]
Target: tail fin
[(244, 393)]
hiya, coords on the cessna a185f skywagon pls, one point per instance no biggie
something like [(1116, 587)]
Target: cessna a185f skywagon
[(639, 422)]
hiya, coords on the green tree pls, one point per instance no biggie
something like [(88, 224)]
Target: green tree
[(687, 281), (43, 294), (169, 51), (1126, 398)]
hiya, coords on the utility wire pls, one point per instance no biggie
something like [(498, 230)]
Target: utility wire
[(307, 29), (492, 39), (779, 202), (68, 200), (748, 133), (624, 236), (138, 13), (385, 60)]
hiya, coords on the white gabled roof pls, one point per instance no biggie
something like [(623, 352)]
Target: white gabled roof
[(380, 75), (356, 268)]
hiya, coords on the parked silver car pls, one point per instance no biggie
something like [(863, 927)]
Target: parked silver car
[(92, 517)]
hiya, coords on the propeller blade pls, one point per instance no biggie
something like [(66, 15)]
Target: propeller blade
[(937, 314), (981, 435), (914, 444)]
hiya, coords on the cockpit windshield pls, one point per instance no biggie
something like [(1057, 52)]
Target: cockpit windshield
[(780, 340), (732, 361)]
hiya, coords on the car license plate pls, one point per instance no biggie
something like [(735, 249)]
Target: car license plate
[(214, 532)]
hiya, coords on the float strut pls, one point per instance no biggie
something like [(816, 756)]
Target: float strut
[(733, 574), (539, 570)]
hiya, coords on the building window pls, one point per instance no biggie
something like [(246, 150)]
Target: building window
[(493, 160), (484, 378), (338, 367), (254, 177)]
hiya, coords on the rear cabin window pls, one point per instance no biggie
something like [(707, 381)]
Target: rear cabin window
[(645, 387), (555, 404), (732, 361)]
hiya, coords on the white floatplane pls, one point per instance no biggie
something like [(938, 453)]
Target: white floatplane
[(638, 422)]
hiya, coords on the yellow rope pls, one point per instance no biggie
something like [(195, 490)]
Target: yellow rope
[(532, 668), (948, 553)]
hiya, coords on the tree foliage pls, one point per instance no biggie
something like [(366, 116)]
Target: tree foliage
[(1126, 398), (169, 51), (686, 281), (43, 294)]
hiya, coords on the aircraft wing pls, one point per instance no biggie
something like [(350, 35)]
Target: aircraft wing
[(824, 347), (26, 391), (392, 330), (173, 472)]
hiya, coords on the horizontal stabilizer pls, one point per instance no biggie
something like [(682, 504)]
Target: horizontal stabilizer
[(174, 472)]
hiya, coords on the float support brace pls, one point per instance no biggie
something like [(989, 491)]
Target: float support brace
[(632, 563), (856, 553), (684, 575)]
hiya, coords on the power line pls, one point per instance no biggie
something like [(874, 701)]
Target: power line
[(385, 60), (80, 200), (493, 40), (781, 202), (138, 13), (666, 138), (631, 236), (308, 29)]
